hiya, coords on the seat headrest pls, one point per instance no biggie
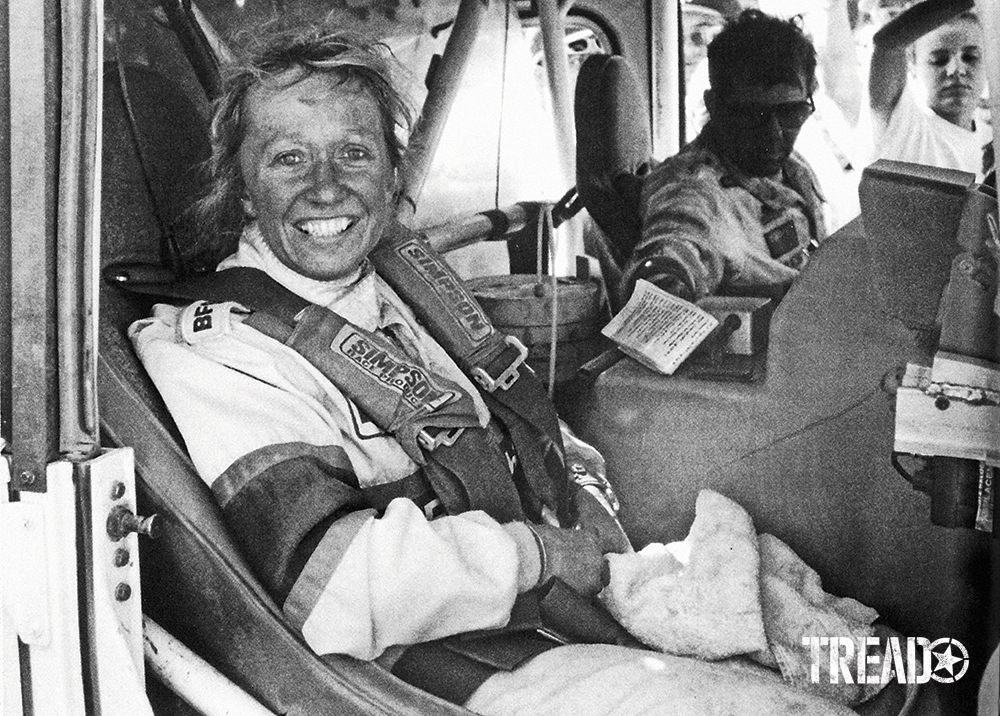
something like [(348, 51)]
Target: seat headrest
[(613, 148), (155, 138)]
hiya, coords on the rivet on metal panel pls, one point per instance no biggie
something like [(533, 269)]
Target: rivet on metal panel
[(942, 403), (121, 557), (123, 592), (117, 490), (27, 477)]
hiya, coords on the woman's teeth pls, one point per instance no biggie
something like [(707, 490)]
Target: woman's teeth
[(325, 227)]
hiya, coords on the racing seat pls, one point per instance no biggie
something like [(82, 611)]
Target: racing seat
[(613, 153), (195, 582)]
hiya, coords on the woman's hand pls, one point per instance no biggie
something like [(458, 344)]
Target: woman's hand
[(575, 557)]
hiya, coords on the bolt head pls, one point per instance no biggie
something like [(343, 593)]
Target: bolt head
[(122, 592), (117, 490)]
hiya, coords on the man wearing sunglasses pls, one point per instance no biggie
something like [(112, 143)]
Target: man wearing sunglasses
[(736, 211)]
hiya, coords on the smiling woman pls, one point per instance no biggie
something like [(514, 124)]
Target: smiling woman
[(319, 178), (346, 447), (308, 151)]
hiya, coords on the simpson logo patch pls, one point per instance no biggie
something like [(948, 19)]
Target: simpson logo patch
[(446, 285), (408, 380)]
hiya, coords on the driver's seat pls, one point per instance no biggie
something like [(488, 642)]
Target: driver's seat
[(195, 582), (613, 153)]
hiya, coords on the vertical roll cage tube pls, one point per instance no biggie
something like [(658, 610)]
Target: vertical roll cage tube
[(55, 92), (444, 84), (557, 71), (550, 19), (78, 226), (665, 80), (989, 16), (6, 266)]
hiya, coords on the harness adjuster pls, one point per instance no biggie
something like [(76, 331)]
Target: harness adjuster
[(597, 486), (509, 375), (443, 436)]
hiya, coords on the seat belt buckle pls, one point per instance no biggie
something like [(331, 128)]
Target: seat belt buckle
[(509, 375), (443, 436)]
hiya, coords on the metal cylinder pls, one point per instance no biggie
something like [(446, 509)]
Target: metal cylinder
[(443, 88), (969, 328), (989, 16), (193, 679), (666, 80), (484, 226), (954, 492), (557, 70)]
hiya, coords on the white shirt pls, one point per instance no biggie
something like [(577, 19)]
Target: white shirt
[(916, 134)]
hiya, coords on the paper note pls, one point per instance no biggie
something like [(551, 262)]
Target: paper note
[(659, 329)]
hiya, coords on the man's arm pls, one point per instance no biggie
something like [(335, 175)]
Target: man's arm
[(679, 249), (887, 77)]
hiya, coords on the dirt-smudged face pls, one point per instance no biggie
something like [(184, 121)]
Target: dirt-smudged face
[(948, 63), (318, 173), (755, 127)]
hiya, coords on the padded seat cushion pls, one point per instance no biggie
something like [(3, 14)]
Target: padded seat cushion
[(613, 149)]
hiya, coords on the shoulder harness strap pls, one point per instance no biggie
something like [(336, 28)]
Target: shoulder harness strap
[(432, 417), (439, 297)]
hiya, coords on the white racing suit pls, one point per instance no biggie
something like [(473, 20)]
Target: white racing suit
[(282, 447), (345, 533)]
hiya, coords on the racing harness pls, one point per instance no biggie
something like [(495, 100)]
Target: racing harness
[(436, 423), (432, 418)]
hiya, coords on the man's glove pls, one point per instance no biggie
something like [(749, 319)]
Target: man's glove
[(667, 275)]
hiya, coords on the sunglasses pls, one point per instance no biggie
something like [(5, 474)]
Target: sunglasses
[(790, 115)]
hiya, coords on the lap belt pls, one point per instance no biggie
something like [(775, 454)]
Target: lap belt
[(548, 616)]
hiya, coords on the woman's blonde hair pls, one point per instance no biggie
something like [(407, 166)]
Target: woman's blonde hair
[(309, 51)]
